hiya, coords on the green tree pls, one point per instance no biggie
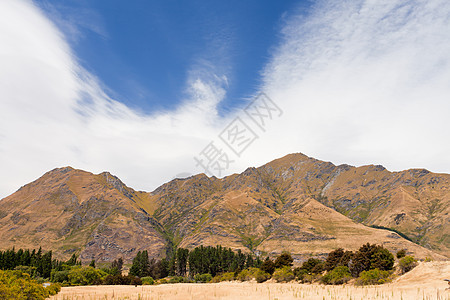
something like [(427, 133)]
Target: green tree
[(181, 261), (370, 257), (382, 259), (136, 267), (73, 260), (268, 266), (313, 265), (285, 259), (338, 257)]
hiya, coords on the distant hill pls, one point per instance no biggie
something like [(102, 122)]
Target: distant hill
[(295, 203)]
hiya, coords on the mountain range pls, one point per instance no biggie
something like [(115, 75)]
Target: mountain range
[(296, 203)]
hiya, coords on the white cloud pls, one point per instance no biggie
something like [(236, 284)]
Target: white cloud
[(359, 82)]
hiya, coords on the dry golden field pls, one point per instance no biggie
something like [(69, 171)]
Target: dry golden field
[(424, 282)]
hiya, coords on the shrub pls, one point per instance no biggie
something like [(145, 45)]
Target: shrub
[(299, 273), (244, 275), (85, 276), (283, 274), (310, 278), (176, 279), (59, 276), (407, 263), (53, 289), (374, 276), (338, 275), (261, 276), (26, 269), (131, 280), (203, 278), (18, 285), (401, 253), (148, 280), (228, 276)]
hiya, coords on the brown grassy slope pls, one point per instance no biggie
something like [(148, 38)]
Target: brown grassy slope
[(71, 210), (414, 202), (268, 209)]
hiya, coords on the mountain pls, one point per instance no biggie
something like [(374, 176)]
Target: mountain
[(71, 210), (295, 203)]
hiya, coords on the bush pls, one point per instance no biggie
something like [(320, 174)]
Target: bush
[(244, 275), (401, 253), (26, 269), (176, 279), (228, 276), (203, 278), (284, 274), (299, 273), (407, 263), (59, 276), (18, 285), (148, 281), (85, 276), (248, 274), (374, 276), (53, 289), (261, 276), (310, 278), (338, 275)]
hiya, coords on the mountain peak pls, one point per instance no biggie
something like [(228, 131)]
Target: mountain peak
[(278, 206)]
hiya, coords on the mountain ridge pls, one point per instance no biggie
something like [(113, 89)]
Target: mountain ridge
[(278, 206)]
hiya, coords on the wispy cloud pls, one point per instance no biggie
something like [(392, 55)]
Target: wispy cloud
[(359, 82)]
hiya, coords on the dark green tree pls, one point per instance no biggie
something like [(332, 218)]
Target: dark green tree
[(401, 253), (268, 266), (370, 257), (136, 266), (285, 259), (181, 261)]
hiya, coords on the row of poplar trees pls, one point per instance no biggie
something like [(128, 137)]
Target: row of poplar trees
[(42, 263), (201, 260)]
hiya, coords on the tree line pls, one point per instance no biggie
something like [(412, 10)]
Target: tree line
[(200, 260), (41, 264), (370, 264)]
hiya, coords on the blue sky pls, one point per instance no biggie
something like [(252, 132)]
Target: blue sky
[(143, 51), (140, 88)]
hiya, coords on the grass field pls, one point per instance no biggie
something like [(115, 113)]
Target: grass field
[(424, 282)]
